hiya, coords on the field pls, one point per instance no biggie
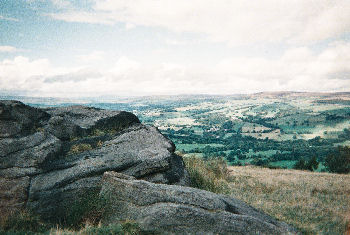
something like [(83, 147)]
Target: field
[(316, 203)]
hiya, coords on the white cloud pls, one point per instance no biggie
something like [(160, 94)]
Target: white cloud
[(8, 18), (8, 49), (129, 26), (22, 73), (295, 64), (93, 57), (175, 42), (123, 65), (235, 22), (298, 69), (61, 3), (74, 76), (84, 17)]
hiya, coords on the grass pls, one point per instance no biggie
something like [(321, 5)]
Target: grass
[(190, 147), (122, 228), (79, 148), (211, 175), (316, 203), (88, 209), (82, 218), (22, 222), (283, 164)]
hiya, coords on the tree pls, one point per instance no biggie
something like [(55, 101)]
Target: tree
[(312, 164), (227, 125), (300, 165), (339, 162)]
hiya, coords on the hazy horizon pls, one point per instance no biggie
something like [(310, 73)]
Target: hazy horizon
[(94, 48)]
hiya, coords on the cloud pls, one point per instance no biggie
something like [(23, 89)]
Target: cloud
[(175, 42), (61, 3), (21, 73), (83, 17), (8, 49), (129, 26), (298, 69), (93, 57), (234, 22), (124, 64), (75, 76), (8, 18), (297, 64)]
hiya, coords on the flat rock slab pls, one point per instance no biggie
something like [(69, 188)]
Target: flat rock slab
[(177, 209)]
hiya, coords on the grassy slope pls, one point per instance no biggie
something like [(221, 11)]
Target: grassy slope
[(316, 203)]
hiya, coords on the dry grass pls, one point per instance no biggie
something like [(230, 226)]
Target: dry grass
[(124, 228), (79, 148), (316, 203), (211, 175), (24, 223)]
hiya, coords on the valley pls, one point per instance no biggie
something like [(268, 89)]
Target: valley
[(266, 129)]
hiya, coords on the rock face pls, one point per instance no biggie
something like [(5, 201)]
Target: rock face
[(49, 157), (176, 209)]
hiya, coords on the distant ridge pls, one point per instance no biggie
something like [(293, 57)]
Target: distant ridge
[(52, 101), (279, 94)]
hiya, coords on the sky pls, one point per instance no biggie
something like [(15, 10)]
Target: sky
[(91, 48)]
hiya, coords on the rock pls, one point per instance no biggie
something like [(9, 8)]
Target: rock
[(57, 154), (17, 119), (140, 151), (63, 128), (13, 194), (52, 158), (160, 208), (28, 151), (87, 119)]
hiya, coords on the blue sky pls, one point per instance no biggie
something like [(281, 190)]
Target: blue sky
[(149, 47)]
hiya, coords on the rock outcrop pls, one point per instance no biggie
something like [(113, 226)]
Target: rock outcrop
[(50, 157), (160, 208), (53, 158)]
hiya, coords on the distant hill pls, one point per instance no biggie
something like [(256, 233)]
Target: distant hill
[(285, 94)]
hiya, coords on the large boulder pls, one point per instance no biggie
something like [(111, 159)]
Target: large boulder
[(173, 209), (140, 151), (50, 157), (17, 119)]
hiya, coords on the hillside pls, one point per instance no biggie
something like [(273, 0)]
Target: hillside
[(316, 203), (271, 128)]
